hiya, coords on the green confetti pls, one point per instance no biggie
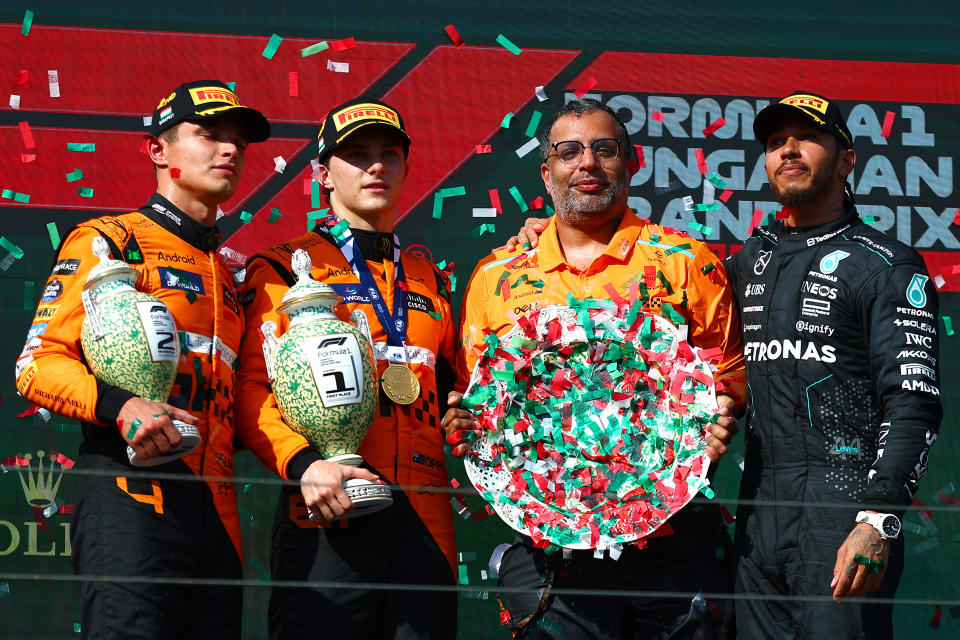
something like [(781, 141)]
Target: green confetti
[(519, 199), (463, 579), (232, 86), (702, 228), (132, 431), (505, 123), (717, 181), (314, 48), (27, 295), (76, 627), (246, 217), (869, 219), (88, 147), (85, 192), (482, 229), (315, 195), (948, 325), (54, 234), (272, 47), (74, 175), (533, 124), (27, 22), (274, 215), (506, 44), (339, 228), (713, 206), (445, 193), (313, 216), (16, 251)]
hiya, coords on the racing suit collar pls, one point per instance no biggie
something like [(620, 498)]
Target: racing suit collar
[(618, 249), (374, 245), (165, 214), (779, 230)]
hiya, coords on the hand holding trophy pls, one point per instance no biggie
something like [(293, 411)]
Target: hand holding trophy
[(324, 378), (130, 341)]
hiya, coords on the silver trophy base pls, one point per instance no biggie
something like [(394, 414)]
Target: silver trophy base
[(189, 440), (367, 497)]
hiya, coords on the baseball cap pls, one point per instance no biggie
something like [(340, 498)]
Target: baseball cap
[(822, 113), (203, 99), (344, 120)]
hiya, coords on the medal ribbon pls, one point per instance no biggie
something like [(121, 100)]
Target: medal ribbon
[(395, 326)]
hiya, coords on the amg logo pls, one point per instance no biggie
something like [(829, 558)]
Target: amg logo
[(329, 342), (917, 369)]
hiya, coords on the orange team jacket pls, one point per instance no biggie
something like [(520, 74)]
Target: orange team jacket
[(502, 288), (177, 261), (404, 443)]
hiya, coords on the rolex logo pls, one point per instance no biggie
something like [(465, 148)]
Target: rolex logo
[(40, 490)]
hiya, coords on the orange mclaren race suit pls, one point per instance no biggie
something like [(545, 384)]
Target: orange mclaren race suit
[(656, 265), (412, 541), (127, 523)]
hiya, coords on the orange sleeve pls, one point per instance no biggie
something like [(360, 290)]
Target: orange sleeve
[(257, 420), (473, 322), (715, 321), (51, 370)]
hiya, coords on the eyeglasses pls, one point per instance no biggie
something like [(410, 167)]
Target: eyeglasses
[(570, 151)]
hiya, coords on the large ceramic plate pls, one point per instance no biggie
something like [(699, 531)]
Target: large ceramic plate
[(593, 422)]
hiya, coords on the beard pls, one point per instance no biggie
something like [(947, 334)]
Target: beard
[(796, 196), (576, 208)]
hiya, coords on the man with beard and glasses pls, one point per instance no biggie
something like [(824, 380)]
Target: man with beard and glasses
[(840, 324), (595, 247)]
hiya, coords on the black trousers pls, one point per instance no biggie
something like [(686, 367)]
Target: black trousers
[(171, 531), (390, 547), (696, 558)]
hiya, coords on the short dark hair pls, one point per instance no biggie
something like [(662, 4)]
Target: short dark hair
[(578, 108)]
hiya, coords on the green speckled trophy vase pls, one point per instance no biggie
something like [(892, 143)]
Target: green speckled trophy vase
[(130, 340), (324, 378)]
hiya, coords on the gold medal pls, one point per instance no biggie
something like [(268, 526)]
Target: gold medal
[(400, 383)]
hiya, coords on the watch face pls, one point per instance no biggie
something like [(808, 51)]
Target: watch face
[(891, 526)]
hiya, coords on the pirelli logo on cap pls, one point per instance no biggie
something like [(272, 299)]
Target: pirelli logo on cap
[(365, 111), (203, 95), (806, 101)]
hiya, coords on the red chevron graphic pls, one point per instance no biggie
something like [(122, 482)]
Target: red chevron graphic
[(451, 101)]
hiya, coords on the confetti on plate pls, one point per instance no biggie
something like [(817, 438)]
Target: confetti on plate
[(593, 419)]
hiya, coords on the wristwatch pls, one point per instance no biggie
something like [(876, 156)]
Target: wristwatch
[(886, 524)]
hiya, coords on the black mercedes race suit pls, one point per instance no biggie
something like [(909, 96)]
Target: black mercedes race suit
[(840, 342)]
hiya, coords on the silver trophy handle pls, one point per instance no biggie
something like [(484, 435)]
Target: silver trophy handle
[(360, 321), (301, 264), (269, 346), (101, 249)]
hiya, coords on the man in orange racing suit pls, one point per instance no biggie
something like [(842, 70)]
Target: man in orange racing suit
[(127, 523), (363, 152), (595, 247)]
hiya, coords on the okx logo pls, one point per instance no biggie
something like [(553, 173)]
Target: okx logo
[(35, 535)]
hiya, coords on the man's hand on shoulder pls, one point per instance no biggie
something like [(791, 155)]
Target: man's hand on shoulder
[(322, 488), (458, 424), (529, 234), (147, 426), (861, 563)]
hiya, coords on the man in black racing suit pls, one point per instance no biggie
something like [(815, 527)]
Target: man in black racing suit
[(840, 334)]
